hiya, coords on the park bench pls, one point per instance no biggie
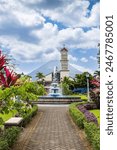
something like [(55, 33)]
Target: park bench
[(14, 121)]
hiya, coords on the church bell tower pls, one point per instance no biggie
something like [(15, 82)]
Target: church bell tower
[(64, 72)]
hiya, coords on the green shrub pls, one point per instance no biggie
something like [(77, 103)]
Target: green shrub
[(77, 115), (11, 135), (92, 130), (28, 116), (8, 137), (3, 144), (93, 134)]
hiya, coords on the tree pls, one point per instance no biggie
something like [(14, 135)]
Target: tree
[(97, 73), (40, 77), (69, 81), (81, 80), (66, 90)]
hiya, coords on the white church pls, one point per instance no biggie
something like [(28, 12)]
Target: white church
[(64, 70)]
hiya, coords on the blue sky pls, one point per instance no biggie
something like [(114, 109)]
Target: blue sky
[(34, 31)]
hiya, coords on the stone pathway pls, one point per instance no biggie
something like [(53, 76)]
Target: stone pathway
[(51, 129)]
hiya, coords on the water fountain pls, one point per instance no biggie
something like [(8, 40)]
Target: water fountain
[(55, 95), (55, 90)]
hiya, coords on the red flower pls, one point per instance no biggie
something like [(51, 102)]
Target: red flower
[(2, 60), (95, 82), (8, 78)]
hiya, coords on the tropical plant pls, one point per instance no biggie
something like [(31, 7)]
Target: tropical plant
[(7, 77), (40, 75), (81, 80), (97, 73), (95, 92)]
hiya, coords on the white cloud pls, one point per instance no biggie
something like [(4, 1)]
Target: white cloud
[(93, 58), (50, 39), (17, 13), (94, 19), (22, 20), (83, 59), (72, 58), (75, 14)]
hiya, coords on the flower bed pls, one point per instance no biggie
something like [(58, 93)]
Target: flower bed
[(77, 115), (90, 117), (85, 120)]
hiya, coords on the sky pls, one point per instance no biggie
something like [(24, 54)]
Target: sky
[(34, 31)]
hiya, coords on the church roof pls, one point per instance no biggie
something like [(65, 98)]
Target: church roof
[(64, 49)]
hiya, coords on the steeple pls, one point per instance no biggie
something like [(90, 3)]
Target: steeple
[(64, 63), (64, 59)]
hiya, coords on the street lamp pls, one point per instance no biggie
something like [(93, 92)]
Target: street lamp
[(87, 76)]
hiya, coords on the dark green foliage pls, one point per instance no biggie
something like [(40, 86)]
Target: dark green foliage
[(28, 116), (8, 138), (3, 144), (93, 134), (11, 135), (77, 115), (92, 130), (66, 90), (81, 80)]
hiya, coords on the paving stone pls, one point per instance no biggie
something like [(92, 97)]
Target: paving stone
[(52, 130)]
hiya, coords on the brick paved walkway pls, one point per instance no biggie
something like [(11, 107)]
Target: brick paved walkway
[(52, 129)]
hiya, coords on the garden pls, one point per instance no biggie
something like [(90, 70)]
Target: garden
[(16, 93), (86, 114)]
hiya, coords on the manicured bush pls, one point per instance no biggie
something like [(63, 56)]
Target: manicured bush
[(8, 137), (84, 119), (77, 115), (3, 144), (28, 116), (93, 134), (11, 135)]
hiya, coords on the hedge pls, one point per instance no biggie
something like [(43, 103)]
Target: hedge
[(3, 144), (77, 115), (8, 138), (93, 134), (91, 129), (28, 116)]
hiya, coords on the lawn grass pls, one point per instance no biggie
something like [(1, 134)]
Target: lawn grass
[(82, 96), (5, 117), (96, 112)]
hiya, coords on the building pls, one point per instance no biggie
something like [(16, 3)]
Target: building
[(64, 70)]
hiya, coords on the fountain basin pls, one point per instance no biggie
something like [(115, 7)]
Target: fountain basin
[(57, 100)]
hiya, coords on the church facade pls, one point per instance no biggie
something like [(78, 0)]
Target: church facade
[(63, 71)]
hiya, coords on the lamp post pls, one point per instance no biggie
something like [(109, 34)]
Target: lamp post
[(87, 76)]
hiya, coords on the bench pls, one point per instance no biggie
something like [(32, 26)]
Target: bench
[(14, 121)]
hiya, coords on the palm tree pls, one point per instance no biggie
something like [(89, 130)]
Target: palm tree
[(97, 73), (40, 77)]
